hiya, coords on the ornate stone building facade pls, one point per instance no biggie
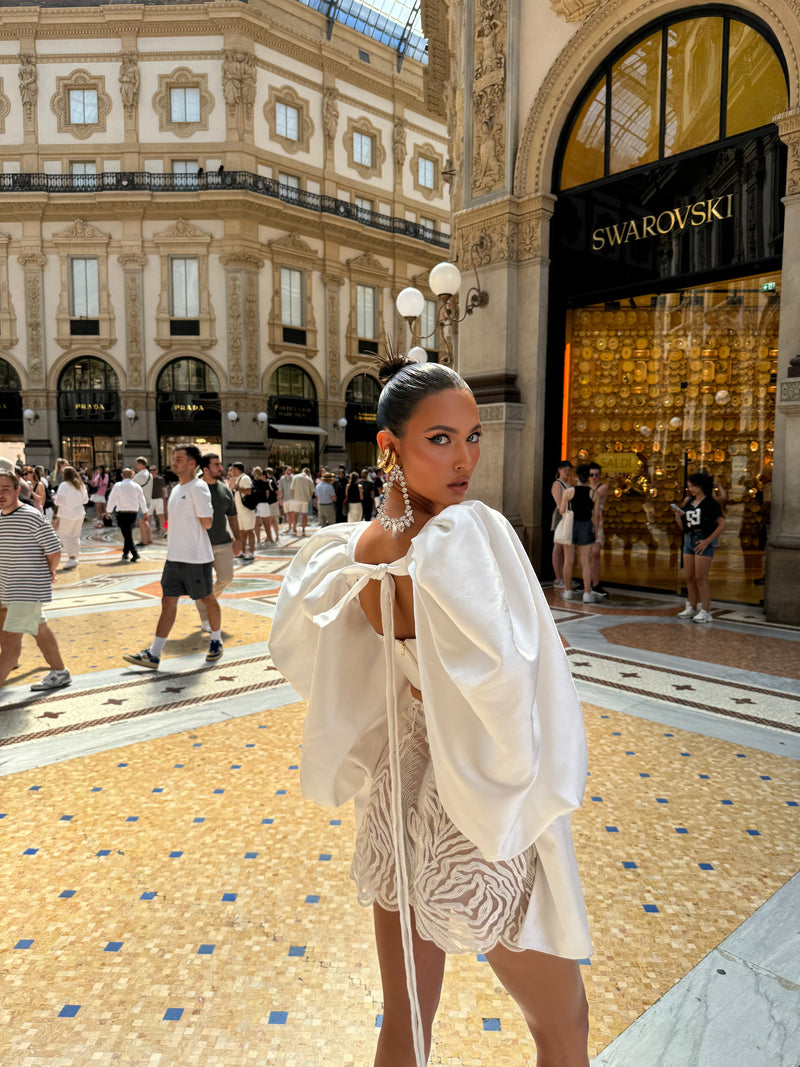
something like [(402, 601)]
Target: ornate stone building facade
[(634, 208), (207, 210)]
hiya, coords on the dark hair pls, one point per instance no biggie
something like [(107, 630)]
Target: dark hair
[(583, 472), (405, 383), (13, 477), (238, 466), (595, 466), (704, 480), (192, 452), (353, 479), (205, 461), (564, 463)]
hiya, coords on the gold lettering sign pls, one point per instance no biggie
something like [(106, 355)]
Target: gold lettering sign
[(188, 407), (90, 407), (677, 218), (618, 462)]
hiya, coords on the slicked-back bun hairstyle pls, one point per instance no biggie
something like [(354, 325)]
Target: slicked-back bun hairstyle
[(406, 383)]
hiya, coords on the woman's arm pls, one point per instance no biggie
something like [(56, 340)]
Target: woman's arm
[(557, 491), (566, 496), (703, 545)]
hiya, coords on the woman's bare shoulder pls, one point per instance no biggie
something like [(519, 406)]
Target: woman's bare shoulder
[(375, 545)]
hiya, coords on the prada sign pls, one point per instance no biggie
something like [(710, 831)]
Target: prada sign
[(677, 218), (679, 222), (82, 405)]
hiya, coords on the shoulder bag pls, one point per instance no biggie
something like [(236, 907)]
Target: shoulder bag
[(563, 534)]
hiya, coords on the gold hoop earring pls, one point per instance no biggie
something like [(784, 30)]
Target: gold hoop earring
[(387, 461)]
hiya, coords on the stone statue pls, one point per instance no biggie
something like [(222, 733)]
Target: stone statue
[(239, 78), (399, 142), (489, 169), (330, 112), (28, 86), (129, 80)]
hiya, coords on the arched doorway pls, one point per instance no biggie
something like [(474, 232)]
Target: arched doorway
[(361, 408), (665, 295), (12, 432), (294, 431), (89, 414), (187, 407)]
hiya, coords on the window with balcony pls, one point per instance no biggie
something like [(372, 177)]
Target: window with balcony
[(184, 296), (293, 306), (367, 319), (84, 297)]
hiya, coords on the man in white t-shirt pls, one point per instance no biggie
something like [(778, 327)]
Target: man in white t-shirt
[(188, 570), (302, 494), (144, 478)]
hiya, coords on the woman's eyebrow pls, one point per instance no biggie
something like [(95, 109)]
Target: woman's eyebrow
[(450, 429)]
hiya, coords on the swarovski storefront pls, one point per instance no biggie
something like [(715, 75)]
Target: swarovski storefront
[(666, 246)]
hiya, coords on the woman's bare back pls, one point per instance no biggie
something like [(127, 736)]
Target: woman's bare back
[(376, 546)]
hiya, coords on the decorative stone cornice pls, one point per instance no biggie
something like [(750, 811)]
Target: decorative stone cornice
[(131, 260), (181, 230), (507, 230), (574, 10), (789, 131), (367, 263), (31, 260), (241, 261), (515, 414), (790, 391), (81, 231)]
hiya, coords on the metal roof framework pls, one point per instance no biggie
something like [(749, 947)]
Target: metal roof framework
[(395, 23)]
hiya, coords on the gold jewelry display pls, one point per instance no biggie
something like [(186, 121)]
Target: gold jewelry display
[(406, 520)]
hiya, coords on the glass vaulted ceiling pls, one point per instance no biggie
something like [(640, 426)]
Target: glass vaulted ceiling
[(395, 23)]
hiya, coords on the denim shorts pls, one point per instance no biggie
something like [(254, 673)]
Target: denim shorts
[(690, 543), (582, 532)]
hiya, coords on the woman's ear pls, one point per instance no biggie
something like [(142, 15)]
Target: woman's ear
[(386, 439)]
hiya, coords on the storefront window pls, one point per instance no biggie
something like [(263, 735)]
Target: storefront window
[(660, 386), (752, 64), (584, 159), (635, 96), (289, 380)]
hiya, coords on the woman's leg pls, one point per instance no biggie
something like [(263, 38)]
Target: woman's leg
[(549, 991), (558, 562), (585, 556), (569, 560), (702, 566), (395, 1044), (689, 561)]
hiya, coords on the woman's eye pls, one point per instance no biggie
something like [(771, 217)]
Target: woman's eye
[(439, 439), (475, 437)]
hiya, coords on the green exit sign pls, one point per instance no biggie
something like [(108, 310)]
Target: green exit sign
[(768, 287)]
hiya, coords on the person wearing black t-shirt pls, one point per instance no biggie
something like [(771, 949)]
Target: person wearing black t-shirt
[(581, 501), (702, 522)]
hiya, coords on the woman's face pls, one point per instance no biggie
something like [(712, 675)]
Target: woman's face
[(440, 447), (694, 490)]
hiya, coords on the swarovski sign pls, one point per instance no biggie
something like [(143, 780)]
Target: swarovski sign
[(677, 218)]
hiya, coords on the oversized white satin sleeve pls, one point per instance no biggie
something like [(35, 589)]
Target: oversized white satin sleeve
[(323, 644), (505, 725)]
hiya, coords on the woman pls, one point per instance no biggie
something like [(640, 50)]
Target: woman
[(355, 499), (99, 484), (702, 522), (71, 499), (258, 502), (557, 491), (585, 507), (271, 517), (463, 744)]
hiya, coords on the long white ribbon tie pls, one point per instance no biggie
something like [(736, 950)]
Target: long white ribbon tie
[(384, 573)]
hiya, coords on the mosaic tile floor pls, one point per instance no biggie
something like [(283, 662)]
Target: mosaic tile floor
[(175, 901)]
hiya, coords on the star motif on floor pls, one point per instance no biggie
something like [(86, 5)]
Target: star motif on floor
[(50, 714), (111, 700), (577, 664), (689, 687), (226, 678), (742, 700), (173, 689), (623, 675)]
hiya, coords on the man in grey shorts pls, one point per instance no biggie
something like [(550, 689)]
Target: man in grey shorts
[(190, 556)]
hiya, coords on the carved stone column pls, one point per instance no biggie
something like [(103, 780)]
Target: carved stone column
[(140, 436), (330, 126), (241, 287), (333, 332), (29, 94), (42, 433), (782, 586)]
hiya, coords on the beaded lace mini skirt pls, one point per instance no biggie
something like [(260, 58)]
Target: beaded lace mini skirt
[(461, 901)]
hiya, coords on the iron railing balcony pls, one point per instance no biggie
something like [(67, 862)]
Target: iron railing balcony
[(216, 181)]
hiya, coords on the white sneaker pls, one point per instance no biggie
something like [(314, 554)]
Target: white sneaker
[(688, 612), (591, 598), (558, 584), (70, 565), (567, 594), (53, 680), (703, 616), (205, 628)]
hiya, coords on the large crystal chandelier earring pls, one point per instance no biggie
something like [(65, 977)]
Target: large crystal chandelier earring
[(390, 463)]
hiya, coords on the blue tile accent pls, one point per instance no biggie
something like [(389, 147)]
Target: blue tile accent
[(765, 778), (278, 1018), (228, 898), (30, 851), (249, 746), (741, 755), (312, 900), (612, 830), (199, 818), (66, 818), (686, 753), (481, 958), (378, 1021), (132, 818), (704, 776), (206, 950), (728, 802), (159, 790), (104, 852), (219, 790), (681, 830), (642, 774), (669, 735), (630, 753), (297, 950), (113, 946), (616, 733), (25, 943), (605, 716), (34, 789), (706, 866), (294, 766), (629, 865), (585, 963), (175, 855), (267, 822), (335, 822), (491, 1024), (262, 727), (597, 800), (147, 896), (791, 803), (324, 857), (3, 814), (754, 833), (197, 744), (651, 909), (66, 894), (122, 764), (251, 855), (236, 766), (179, 766), (97, 789), (172, 1015), (69, 1011), (281, 792)]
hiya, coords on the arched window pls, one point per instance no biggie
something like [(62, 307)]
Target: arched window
[(686, 83), (187, 376), (9, 379), (363, 389), (290, 380), (88, 373)]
